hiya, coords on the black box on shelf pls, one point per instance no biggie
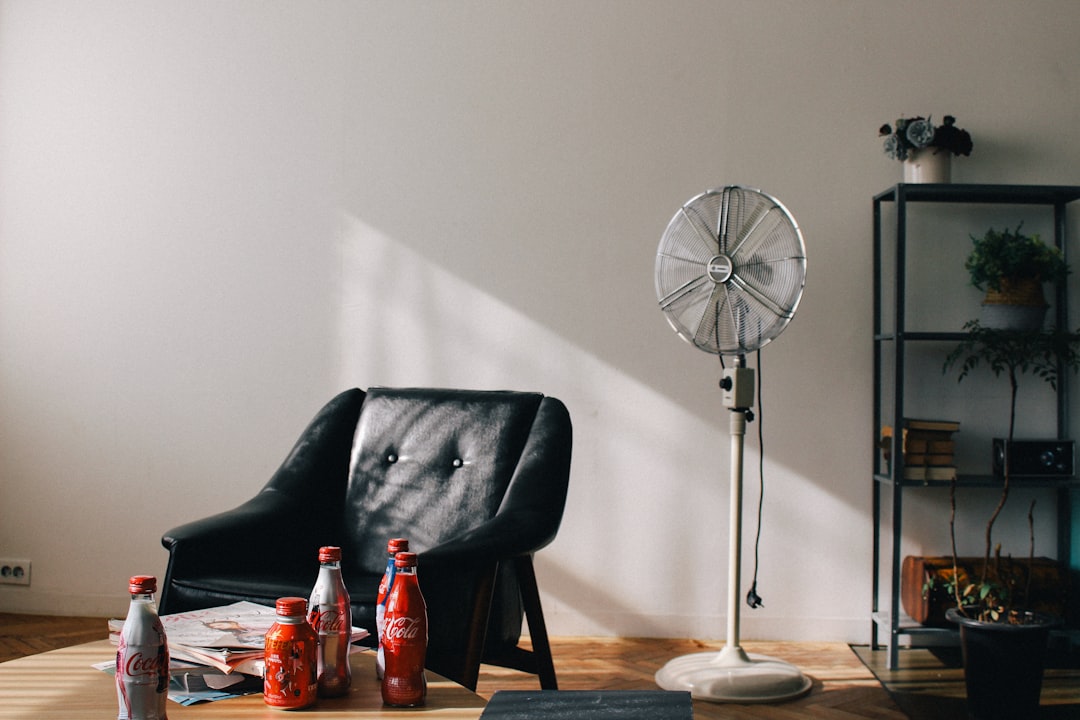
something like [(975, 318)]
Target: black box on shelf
[(1038, 458)]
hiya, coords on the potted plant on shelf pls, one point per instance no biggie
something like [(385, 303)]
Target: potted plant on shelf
[(925, 150), (1003, 642), (1010, 268)]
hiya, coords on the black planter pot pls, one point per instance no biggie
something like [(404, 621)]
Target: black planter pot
[(1003, 665)]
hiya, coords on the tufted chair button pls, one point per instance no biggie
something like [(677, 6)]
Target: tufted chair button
[(457, 462), (391, 458)]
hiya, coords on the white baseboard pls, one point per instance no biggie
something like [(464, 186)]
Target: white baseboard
[(710, 629), (37, 602)]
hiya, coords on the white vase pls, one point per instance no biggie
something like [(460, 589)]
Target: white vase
[(927, 166)]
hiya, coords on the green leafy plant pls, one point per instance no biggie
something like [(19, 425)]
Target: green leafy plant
[(1011, 352), (918, 132), (991, 597), (1004, 255)]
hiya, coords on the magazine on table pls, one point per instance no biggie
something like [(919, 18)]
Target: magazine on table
[(239, 626), (217, 652)]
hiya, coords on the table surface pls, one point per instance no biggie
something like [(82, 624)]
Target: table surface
[(62, 684)]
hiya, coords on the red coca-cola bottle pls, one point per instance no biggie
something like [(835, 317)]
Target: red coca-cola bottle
[(330, 613), (289, 680), (405, 637), (393, 547), (142, 659)]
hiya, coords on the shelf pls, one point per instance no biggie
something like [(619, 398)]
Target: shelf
[(987, 481), (894, 343), (923, 636), (1000, 194), (923, 336), (919, 635)]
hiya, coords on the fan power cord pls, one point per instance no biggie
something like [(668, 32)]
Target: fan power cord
[(752, 598)]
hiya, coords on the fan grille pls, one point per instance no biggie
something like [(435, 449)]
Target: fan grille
[(736, 313)]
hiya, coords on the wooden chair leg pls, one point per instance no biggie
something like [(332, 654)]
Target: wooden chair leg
[(530, 598)]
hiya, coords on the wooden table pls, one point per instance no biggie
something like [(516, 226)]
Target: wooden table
[(62, 684)]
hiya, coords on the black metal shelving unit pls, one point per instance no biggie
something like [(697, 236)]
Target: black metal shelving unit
[(895, 342)]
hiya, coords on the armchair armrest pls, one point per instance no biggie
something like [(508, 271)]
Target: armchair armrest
[(212, 544), (283, 521)]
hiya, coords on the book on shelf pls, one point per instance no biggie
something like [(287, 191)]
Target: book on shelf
[(928, 459), (923, 442), (917, 446), (929, 472), (949, 426)]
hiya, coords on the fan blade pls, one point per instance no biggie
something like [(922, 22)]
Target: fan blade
[(696, 263), (723, 221), (707, 336), (742, 211), (754, 325), (687, 313), (756, 231), (689, 235), (781, 278), (701, 227), (673, 297), (773, 306)]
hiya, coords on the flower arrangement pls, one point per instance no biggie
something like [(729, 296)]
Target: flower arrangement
[(918, 132)]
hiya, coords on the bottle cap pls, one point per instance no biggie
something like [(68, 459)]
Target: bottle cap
[(291, 606), (142, 584), (329, 553), (397, 545), (405, 559)]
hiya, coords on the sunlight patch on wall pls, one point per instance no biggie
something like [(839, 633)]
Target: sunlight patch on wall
[(649, 486)]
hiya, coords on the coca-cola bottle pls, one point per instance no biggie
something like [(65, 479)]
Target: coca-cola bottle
[(393, 547), (289, 679), (405, 637), (330, 613), (142, 659)]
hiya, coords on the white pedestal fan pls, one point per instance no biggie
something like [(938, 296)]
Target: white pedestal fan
[(730, 271)]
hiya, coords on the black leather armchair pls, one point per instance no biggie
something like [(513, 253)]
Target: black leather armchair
[(476, 480)]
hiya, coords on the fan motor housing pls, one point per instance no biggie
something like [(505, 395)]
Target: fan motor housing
[(737, 386), (720, 269)]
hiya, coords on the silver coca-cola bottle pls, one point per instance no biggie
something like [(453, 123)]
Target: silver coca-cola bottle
[(330, 613), (142, 659)]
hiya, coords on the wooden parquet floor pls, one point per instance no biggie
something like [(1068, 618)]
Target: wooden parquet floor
[(843, 688)]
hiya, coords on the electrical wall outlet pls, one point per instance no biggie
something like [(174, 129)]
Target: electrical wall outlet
[(14, 572)]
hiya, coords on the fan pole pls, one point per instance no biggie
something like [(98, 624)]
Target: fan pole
[(738, 397), (731, 675), (738, 431)]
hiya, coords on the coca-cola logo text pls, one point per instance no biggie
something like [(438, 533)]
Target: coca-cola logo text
[(137, 664), (403, 628), (328, 621)]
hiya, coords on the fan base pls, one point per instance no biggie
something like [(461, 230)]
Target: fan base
[(733, 676)]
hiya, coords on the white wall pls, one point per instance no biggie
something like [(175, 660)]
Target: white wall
[(214, 216)]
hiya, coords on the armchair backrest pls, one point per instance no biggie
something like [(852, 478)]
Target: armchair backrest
[(431, 464)]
